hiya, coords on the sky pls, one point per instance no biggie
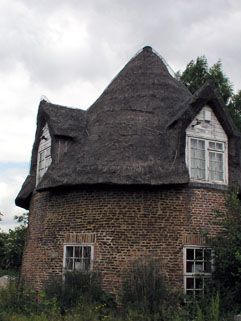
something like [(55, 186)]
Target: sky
[(70, 50)]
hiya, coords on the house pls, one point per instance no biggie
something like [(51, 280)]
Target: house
[(138, 173)]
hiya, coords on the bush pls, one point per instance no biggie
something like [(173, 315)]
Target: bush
[(16, 299), (76, 288), (227, 254), (144, 287)]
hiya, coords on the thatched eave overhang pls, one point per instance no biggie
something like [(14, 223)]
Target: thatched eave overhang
[(134, 134), (24, 196)]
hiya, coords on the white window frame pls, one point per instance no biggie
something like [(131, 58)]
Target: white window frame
[(207, 149), (74, 245), (44, 158), (200, 275)]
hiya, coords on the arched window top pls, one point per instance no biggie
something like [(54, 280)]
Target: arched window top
[(44, 153)]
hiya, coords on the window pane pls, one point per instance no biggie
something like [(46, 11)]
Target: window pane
[(86, 251), (219, 146), (211, 156), (78, 251), (212, 145), (47, 162), (216, 166), (48, 150), (194, 143), (78, 265), (198, 158), (69, 264), (190, 254), (201, 144), (198, 267), (199, 254), (190, 283), (41, 156), (190, 267), (69, 251), (86, 264)]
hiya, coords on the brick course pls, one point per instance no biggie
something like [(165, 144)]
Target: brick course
[(124, 223)]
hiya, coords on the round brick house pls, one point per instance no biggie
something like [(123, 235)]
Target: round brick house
[(137, 174)]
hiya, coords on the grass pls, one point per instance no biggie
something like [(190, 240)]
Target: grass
[(81, 298)]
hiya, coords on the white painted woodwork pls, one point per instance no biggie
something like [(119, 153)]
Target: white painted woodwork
[(44, 153), (205, 126)]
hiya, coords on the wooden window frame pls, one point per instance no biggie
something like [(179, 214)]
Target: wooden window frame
[(44, 158), (208, 150), (198, 277), (75, 258)]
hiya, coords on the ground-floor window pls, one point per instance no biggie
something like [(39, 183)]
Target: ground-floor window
[(78, 257), (198, 265)]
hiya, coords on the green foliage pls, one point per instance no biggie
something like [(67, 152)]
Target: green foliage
[(197, 73), (22, 304), (78, 287), (13, 249), (16, 299), (144, 286), (234, 108), (11, 273), (227, 249), (12, 244), (3, 240)]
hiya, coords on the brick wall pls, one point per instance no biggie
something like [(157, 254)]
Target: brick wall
[(123, 223)]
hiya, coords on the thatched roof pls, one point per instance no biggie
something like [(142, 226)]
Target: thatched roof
[(133, 134)]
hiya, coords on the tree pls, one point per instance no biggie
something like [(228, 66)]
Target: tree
[(12, 244), (198, 72), (195, 74), (234, 108)]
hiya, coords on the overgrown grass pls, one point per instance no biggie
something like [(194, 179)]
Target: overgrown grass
[(145, 297), (144, 287)]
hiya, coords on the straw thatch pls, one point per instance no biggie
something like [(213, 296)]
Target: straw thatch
[(133, 134)]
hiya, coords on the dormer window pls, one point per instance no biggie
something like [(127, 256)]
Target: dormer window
[(207, 160), (44, 153), (206, 149)]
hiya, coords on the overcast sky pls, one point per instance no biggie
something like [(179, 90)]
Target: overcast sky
[(70, 50)]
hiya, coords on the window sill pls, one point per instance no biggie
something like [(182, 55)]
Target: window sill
[(222, 187)]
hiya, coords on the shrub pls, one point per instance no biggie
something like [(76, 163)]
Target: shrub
[(77, 287), (227, 254), (15, 298), (144, 286)]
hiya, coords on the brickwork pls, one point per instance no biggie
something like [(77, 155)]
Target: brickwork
[(123, 223)]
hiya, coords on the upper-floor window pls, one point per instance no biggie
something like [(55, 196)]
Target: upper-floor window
[(44, 153), (207, 160), (207, 149)]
